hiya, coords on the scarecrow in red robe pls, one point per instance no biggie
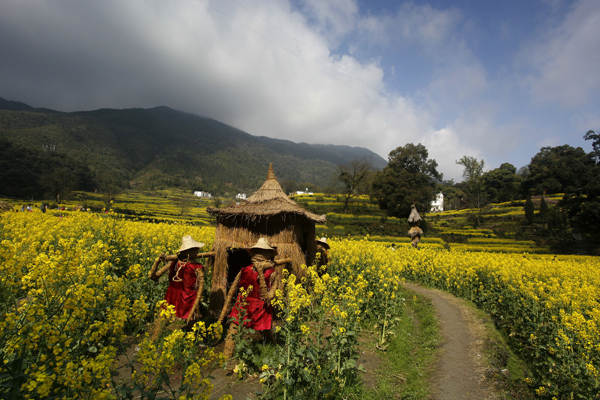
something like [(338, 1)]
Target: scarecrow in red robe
[(260, 281), (186, 278)]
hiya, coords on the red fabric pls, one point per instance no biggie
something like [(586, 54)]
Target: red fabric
[(182, 293), (258, 315)]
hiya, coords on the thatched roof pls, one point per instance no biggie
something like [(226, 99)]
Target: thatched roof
[(414, 216), (268, 200), (5, 206)]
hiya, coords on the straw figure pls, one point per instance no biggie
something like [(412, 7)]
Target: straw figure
[(267, 213), (4, 206), (186, 280), (321, 255), (414, 232), (259, 280)]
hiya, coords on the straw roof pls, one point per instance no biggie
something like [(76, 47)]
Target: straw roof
[(414, 216), (268, 200), (5, 206)]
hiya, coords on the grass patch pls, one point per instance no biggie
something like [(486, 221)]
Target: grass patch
[(406, 365), (505, 369)]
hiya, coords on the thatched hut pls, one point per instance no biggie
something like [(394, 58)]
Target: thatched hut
[(267, 213)]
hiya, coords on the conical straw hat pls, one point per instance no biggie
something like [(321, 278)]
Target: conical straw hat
[(414, 216), (188, 243), (323, 241), (263, 244)]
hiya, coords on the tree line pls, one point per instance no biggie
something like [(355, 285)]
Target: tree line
[(411, 177)]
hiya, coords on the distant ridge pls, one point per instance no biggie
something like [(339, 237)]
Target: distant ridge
[(13, 105), (151, 148)]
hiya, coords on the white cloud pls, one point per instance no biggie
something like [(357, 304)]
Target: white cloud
[(260, 66), (420, 24), (446, 147), (567, 60), (333, 18)]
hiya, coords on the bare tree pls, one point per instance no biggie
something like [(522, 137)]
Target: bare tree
[(353, 175), (473, 173)]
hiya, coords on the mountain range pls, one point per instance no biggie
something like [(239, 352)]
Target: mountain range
[(151, 148)]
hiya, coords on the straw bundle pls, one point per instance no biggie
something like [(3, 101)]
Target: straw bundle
[(290, 239), (267, 201), (267, 213), (5, 206), (414, 216), (415, 231)]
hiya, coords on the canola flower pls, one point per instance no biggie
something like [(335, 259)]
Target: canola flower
[(547, 305), (73, 289)]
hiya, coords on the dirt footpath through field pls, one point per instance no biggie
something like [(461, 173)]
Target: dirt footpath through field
[(460, 370)]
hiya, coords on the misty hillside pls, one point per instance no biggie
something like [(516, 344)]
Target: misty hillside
[(158, 147)]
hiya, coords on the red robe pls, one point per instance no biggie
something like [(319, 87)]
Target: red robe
[(182, 288), (258, 315)]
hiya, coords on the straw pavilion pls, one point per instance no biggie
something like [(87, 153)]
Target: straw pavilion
[(267, 213)]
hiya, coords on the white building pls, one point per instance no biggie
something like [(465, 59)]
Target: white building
[(304, 192), (240, 196), (203, 195), (438, 204)]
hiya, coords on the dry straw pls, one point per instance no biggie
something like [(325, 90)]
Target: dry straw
[(414, 216), (268, 213)]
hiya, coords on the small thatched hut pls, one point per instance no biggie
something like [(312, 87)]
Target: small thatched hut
[(267, 213)]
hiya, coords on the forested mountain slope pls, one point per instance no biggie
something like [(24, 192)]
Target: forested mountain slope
[(159, 147)]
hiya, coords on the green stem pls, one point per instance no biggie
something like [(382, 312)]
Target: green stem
[(339, 362), (287, 369)]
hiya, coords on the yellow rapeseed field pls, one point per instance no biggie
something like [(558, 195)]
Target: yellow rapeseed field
[(547, 305), (74, 294), (72, 290)]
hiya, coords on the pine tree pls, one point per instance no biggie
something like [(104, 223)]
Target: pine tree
[(529, 210), (543, 208)]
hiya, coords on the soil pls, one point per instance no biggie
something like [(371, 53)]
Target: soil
[(460, 371), (369, 359), (226, 383)]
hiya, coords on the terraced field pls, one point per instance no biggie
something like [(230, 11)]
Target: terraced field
[(490, 229), (496, 231)]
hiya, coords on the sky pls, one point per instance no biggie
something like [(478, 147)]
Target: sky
[(496, 80)]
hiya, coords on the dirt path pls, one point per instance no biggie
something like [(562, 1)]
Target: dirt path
[(460, 370)]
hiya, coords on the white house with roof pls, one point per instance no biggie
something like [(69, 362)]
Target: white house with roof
[(437, 205), (203, 195), (304, 192)]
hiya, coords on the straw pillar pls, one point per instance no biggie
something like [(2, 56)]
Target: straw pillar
[(293, 235)]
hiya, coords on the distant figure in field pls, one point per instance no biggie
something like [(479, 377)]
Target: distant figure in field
[(321, 255), (414, 232)]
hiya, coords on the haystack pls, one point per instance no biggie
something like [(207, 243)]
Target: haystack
[(4, 206), (267, 213), (414, 218)]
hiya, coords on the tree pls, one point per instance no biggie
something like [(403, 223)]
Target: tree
[(571, 225), (26, 173), (184, 202), (581, 211), (543, 208), (454, 196), (501, 184), (409, 177), (595, 138), (529, 210), (353, 176), (472, 172), (560, 169)]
